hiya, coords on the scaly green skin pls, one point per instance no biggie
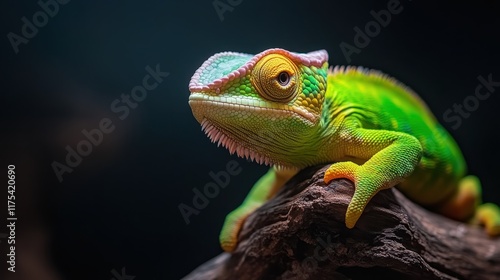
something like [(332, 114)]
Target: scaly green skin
[(289, 110)]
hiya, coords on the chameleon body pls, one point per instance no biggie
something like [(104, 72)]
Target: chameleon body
[(290, 110)]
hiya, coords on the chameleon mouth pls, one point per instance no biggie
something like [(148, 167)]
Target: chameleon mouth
[(248, 103)]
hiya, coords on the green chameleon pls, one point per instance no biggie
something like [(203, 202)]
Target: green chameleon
[(289, 110)]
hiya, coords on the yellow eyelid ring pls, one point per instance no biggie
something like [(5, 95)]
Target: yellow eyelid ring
[(275, 78)]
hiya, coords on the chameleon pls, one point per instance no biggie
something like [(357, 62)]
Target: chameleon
[(291, 110)]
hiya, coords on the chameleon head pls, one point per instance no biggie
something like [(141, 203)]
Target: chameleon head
[(262, 107)]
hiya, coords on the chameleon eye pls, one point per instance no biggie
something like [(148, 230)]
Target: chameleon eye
[(275, 78)]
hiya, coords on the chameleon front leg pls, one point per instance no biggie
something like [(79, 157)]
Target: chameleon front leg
[(264, 189), (390, 157)]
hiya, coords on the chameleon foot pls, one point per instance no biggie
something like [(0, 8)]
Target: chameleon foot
[(228, 237), (488, 215), (466, 203), (366, 183)]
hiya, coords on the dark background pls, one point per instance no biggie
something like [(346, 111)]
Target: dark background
[(119, 207)]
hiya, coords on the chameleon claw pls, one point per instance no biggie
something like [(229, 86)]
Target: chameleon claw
[(229, 234), (364, 190), (228, 237), (346, 169), (357, 205), (488, 215)]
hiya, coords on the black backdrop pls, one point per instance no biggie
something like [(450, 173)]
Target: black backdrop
[(118, 208)]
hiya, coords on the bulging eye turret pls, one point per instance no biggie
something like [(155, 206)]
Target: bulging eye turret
[(276, 78)]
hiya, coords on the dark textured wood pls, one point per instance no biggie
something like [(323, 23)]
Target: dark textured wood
[(300, 234)]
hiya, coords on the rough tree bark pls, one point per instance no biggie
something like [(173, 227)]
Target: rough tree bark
[(300, 234)]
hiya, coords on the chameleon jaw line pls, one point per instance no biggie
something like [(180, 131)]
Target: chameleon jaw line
[(202, 100)]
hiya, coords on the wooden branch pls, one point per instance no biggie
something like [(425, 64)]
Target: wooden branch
[(300, 234)]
